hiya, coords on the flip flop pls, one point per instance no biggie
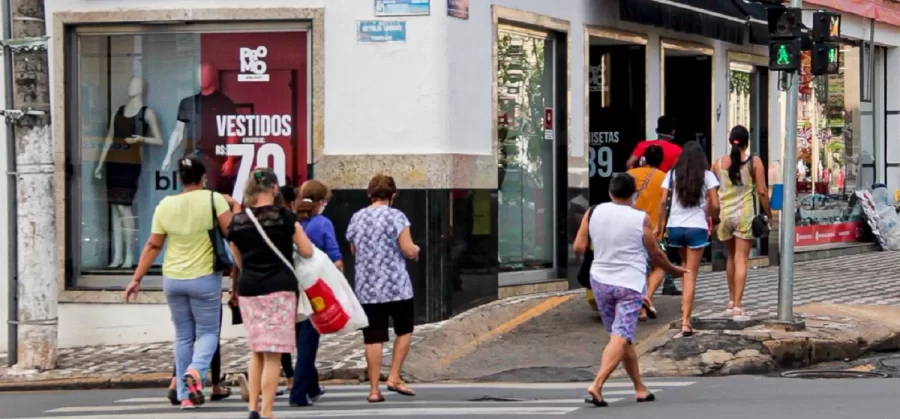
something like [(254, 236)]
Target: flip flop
[(396, 389), (380, 399), (687, 333)]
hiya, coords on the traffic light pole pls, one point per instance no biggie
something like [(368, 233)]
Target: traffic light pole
[(789, 183)]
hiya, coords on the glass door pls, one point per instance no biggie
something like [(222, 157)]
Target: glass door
[(526, 135)]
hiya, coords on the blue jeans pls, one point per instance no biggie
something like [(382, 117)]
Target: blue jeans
[(196, 306), (306, 376)]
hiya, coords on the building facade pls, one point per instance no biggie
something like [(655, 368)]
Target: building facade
[(501, 121)]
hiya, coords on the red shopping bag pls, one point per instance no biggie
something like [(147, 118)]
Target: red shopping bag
[(328, 314)]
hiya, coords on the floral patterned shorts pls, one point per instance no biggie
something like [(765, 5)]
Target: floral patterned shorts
[(619, 308)]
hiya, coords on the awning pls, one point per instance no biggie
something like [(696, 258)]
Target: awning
[(887, 11), (725, 20)]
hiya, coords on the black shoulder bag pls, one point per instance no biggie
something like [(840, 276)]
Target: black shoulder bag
[(760, 224), (222, 260), (584, 274)]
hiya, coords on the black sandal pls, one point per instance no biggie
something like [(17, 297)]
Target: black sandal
[(648, 398), (221, 396), (650, 310), (597, 403), (380, 399), (173, 397), (687, 333)]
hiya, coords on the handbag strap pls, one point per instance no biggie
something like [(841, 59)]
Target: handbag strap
[(268, 241), (212, 209), (644, 186), (669, 195), (752, 185)]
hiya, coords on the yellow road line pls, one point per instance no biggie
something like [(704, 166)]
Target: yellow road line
[(511, 324)]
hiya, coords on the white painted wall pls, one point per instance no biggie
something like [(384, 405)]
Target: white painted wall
[(381, 98), (116, 324)]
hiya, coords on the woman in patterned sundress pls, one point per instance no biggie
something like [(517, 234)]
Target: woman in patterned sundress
[(267, 287), (379, 237)]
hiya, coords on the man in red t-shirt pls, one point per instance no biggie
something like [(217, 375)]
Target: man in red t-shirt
[(665, 129)]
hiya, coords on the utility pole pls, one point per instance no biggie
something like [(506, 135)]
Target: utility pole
[(787, 43), (37, 272)]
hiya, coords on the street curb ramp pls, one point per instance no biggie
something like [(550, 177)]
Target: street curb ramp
[(432, 359), (833, 333)]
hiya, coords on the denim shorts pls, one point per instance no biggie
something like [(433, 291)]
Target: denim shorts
[(692, 238)]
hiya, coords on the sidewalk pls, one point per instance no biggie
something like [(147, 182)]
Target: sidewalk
[(341, 357)]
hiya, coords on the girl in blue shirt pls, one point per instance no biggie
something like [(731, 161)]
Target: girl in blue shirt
[(310, 204)]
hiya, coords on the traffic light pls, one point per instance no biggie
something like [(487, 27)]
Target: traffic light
[(785, 22), (784, 55), (826, 27), (826, 58)]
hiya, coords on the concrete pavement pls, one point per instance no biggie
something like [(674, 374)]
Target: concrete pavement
[(740, 397)]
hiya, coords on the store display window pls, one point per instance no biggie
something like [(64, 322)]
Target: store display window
[(828, 154), (141, 98)]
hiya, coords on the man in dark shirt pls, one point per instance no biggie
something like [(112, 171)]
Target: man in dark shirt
[(201, 136)]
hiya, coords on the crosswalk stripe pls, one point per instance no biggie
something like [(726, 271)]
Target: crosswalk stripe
[(413, 412), (164, 406), (326, 399)]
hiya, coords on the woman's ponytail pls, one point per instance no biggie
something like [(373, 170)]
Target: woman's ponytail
[(739, 139)]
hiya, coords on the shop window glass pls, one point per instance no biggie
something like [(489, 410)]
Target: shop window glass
[(238, 100), (525, 202), (829, 138)]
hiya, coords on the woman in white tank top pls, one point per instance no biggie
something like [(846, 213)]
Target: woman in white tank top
[(622, 238)]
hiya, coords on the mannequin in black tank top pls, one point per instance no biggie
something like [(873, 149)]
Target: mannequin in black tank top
[(132, 125)]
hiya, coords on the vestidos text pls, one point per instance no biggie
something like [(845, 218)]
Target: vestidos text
[(254, 125)]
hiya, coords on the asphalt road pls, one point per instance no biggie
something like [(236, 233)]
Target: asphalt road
[(729, 397)]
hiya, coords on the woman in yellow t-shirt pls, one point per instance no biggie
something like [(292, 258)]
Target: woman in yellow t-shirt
[(192, 287), (648, 179)]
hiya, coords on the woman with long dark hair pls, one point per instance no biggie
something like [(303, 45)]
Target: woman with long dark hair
[(692, 211), (742, 175)]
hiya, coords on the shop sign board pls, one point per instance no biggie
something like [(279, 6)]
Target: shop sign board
[(375, 31), (548, 123), (402, 8), (458, 8), (828, 233)]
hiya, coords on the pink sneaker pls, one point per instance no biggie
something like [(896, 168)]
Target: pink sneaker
[(194, 385), (187, 405)]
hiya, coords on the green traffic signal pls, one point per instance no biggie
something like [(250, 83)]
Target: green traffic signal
[(784, 57), (832, 55)]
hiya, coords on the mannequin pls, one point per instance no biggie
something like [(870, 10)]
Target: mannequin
[(133, 124), (197, 124)]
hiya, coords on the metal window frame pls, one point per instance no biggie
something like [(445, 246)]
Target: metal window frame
[(75, 279)]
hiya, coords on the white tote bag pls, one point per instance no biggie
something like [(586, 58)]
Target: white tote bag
[(320, 266), (304, 307)]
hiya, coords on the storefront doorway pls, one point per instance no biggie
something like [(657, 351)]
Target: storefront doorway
[(617, 95), (687, 91), (531, 104), (748, 98)]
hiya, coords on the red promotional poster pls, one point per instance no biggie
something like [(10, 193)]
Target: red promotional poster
[(252, 107), (828, 233)]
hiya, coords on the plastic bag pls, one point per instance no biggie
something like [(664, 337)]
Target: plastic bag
[(327, 299)]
